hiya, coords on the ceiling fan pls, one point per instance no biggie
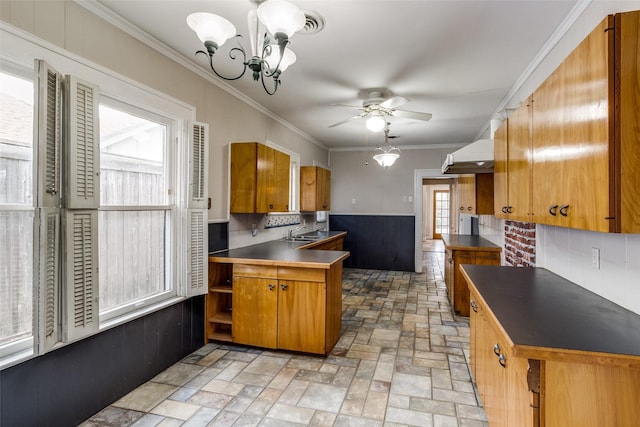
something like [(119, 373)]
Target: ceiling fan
[(378, 106)]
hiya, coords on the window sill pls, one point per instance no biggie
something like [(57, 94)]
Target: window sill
[(116, 321)]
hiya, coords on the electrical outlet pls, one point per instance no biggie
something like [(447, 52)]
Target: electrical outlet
[(595, 258)]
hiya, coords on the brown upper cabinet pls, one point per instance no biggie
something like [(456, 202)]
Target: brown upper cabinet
[(585, 139), (315, 188), (475, 194), (259, 179), (512, 169)]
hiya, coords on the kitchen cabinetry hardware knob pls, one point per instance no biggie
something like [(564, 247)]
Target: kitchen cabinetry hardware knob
[(552, 210), (509, 209), (563, 210), (450, 260), (461, 208), (474, 306), (502, 360), (284, 286), (270, 206), (272, 287), (496, 349), (469, 208)]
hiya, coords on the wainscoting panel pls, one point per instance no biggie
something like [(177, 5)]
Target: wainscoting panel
[(380, 242)]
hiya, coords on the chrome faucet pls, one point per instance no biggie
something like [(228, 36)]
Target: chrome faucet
[(291, 231)]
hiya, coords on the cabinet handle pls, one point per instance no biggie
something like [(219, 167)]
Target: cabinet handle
[(552, 210), (270, 206), (461, 208), (563, 210), (509, 209), (505, 209), (502, 360), (450, 260), (272, 287), (496, 349), (469, 208), (474, 306), (284, 286)]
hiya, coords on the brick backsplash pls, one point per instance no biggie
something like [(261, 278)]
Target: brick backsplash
[(520, 243)]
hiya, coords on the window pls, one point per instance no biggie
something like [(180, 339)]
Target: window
[(135, 218), (16, 212), (440, 212), (103, 203)]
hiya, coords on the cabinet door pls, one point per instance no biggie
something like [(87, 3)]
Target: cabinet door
[(448, 274), (460, 289), (466, 194), (324, 189), (483, 184), (301, 316), (500, 172), (519, 178), (491, 377), (243, 177), (255, 305)]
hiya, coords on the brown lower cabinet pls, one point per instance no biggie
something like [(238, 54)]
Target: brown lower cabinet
[(277, 307), (544, 385)]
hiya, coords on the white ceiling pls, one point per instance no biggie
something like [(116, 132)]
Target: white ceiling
[(455, 59)]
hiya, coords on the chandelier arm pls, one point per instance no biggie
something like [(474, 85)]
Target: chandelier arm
[(276, 83), (232, 54), (282, 44)]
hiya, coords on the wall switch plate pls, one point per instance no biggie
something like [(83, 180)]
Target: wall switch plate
[(595, 258)]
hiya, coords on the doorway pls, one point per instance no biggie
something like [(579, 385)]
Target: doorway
[(441, 213)]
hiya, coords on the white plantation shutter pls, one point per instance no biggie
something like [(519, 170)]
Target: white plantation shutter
[(82, 153), (80, 273), (197, 262), (198, 160), (49, 278), (48, 130)]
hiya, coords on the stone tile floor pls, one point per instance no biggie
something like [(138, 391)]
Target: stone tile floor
[(402, 360)]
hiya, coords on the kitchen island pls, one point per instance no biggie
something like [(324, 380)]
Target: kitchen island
[(283, 294), (465, 249), (545, 351)]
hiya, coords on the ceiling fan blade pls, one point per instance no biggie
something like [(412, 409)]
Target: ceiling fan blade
[(394, 101), (358, 107), (348, 120), (411, 115)]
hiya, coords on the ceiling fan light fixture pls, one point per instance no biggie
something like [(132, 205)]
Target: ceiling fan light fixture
[(386, 155), (376, 123), (267, 60)]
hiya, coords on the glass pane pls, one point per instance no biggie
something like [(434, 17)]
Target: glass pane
[(132, 256), (16, 140), (16, 276), (132, 159)]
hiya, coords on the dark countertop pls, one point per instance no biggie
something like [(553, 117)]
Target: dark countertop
[(468, 241), (285, 253), (537, 308)]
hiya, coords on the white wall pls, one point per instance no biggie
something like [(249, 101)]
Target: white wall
[(378, 190)]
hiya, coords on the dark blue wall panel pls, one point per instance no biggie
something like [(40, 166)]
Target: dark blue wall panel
[(70, 384), (380, 242)]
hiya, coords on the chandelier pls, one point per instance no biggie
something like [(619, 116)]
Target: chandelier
[(386, 154), (271, 24)]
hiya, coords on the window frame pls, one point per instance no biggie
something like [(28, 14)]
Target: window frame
[(172, 126)]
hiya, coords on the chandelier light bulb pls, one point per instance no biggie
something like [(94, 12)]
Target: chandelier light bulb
[(281, 17)]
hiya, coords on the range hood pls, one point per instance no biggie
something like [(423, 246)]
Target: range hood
[(476, 157)]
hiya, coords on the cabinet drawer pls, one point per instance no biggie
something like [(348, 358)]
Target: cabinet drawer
[(255, 271), (304, 274)]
